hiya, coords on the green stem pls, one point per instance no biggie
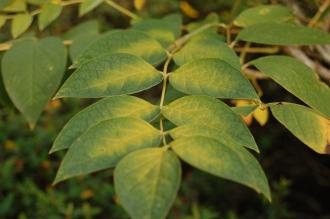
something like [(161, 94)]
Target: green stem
[(122, 9)]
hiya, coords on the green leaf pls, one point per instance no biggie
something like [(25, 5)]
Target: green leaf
[(244, 110), (2, 21), (283, 34), (206, 48), (81, 43), (4, 3), (111, 74), (208, 111), (104, 144), (127, 41), (230, 162), (264, 14), (14, 6), (85, 28), (298, 79), (32, 71), (48, 14), (147, 182), (306, 125), (107, 108), (212, 77), (88, 5), (159, 29), (20, 24)]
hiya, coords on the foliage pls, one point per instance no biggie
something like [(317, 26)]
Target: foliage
[(144, 141)]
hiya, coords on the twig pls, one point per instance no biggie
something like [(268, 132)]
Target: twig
[(122, 9), (319, 13)]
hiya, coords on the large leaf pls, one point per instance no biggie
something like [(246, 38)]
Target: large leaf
[(283, 34), (104, 144), (230, 162), (108, 108), (212, 77), (81, 43), (207, 48), (306, 125), (85, 28), (20, 24), (111, 74), (127, 41), (32, 70), (88, 5), (208, 111), (147, 182), (263, 14), (48, 14), (298, 79), (163, 30)]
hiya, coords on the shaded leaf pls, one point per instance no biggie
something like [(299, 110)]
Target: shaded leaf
[(147, 182), (127, 41), (306, 125), (264, 14), (212, 77), (2, 21), (81, 43), (104, 144), (20, 24), (85, 28), (230, 162), (32, 70), (298, 79), (88, 5), (111, 74), (48, 14), (14, 6), (208, 111), (283, 34), (107, 108)]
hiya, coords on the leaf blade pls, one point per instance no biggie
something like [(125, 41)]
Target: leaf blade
[(20, 24)]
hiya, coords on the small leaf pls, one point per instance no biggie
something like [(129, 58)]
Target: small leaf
[(109, 75), (244, 110), (32, 71), (139, 4), (298, 79), (188, 10), (206, 48), (20, 24), (88, 5), (283, 34), (14, 6), (85, 28), (208, 111), (264, 14), (212, 77), (4, 3), (2, 21), (230, 162), (104, 144), (107, 108), (261, 115), (147, 182), (306, 125), (48, 14), (125, 41)]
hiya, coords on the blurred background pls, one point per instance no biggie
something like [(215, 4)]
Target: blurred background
[(299, 178)]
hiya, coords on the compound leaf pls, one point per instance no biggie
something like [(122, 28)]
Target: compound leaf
[(107, 108), (306, 125), (283, 34), (230, 162), (208, 111), (111, 74), (298, 79), (206, 48), (147, 182), (104, 144), (32, 70), (48, 14), (212, 77), (126, 41), (263, 14)]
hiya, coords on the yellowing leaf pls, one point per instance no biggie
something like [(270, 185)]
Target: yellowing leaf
[(139, 4), (188, 10), (261, 115)]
